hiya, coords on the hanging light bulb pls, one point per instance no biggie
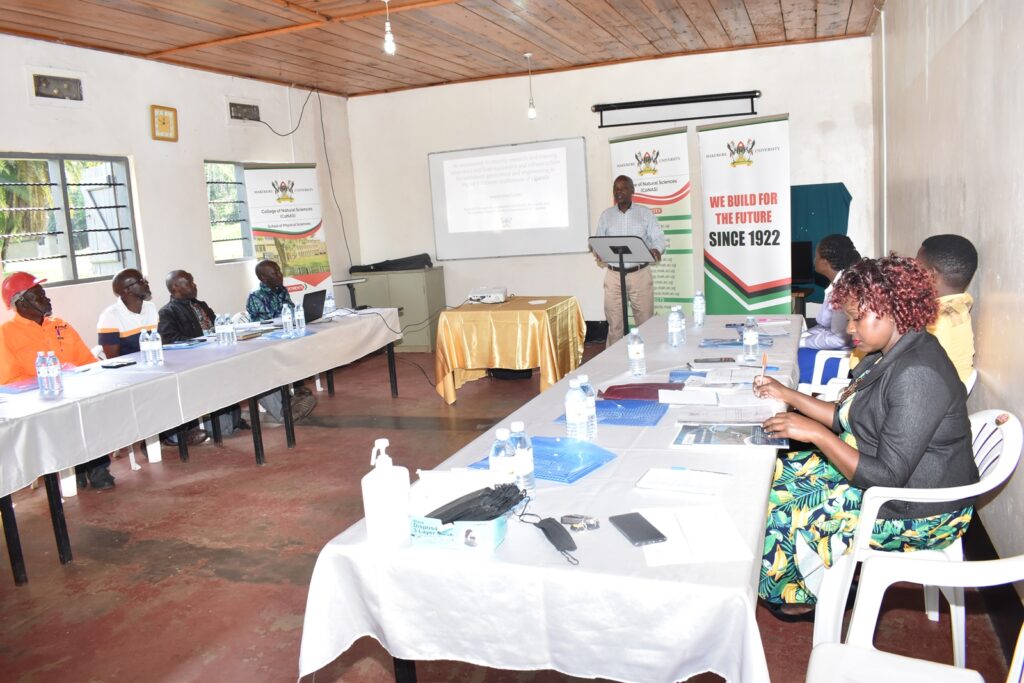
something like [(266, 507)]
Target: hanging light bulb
[(389, 38), (531, 110)]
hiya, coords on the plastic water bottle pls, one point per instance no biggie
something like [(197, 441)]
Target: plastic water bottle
[(575, 411), (700, 307), (635, 351), (144, 346), (676, 327), (502, 458), (220, 328), (43, 375), (751, 346), (329, 305), (55, 373), (588, 389), (386, 499), (286, 321), (156, 352), (300, 321), (524, 458), (229, 324)]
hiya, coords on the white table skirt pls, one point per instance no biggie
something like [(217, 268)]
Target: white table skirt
[(525, 608), (105, 409)]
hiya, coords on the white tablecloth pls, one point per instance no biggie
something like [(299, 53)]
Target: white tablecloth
[(105, 409), (612, 616)]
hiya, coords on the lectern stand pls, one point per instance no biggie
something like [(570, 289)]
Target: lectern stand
[(622, 252)]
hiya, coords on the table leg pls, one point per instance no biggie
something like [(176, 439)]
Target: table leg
[(60, 526), (405, 670), (215, 427), (13, 541), (257, 433), (286, 412), (183, 443), (330, 382), (391, 369)]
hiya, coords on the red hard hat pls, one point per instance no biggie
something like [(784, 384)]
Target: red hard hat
[(16, 283)]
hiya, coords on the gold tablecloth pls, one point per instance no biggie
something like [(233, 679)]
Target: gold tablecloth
[(514, 335)]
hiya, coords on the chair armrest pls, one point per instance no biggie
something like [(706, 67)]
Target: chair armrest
[(877, 496)]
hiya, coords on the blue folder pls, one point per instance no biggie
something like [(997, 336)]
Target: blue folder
[(562, 459)]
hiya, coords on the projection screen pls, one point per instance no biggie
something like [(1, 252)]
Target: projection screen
[(510, 200)]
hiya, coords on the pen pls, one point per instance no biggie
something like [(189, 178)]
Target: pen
[(764, 364), (693, 469)]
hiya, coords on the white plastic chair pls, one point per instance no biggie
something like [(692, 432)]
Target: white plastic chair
[(997, 440), (972, 379), (817, 385), (858, 660)]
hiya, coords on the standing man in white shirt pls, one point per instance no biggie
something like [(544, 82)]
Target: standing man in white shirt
[(627, 218)]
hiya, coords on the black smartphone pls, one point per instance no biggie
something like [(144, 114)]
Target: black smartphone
[(637, 529), (117, 364)]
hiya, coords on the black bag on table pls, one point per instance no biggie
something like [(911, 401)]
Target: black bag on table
[(417, 262)]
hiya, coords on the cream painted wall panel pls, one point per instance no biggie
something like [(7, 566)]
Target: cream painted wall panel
[(826, 88), (169, 190), (953, 116)]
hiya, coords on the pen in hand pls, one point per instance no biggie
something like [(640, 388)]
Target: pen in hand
[(764, 364)]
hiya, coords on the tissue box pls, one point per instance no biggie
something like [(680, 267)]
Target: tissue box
[(477, 536)]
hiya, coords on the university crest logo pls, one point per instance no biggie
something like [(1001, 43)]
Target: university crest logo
[(742, 154), (647, 162), (284, 190)]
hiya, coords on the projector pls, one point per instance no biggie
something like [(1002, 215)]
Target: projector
[(488, 295)]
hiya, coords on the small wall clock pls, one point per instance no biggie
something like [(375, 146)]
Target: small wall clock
[(164, 122)]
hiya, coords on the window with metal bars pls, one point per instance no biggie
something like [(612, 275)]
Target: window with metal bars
[(229, 219), (66, 218)]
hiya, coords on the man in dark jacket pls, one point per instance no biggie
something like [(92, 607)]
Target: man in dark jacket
[(186, 317)]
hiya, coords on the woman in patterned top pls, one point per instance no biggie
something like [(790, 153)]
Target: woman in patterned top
[(879, 433)]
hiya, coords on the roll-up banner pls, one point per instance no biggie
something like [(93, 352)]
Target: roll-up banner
[(659, 166), (287, 223), (745, 176)]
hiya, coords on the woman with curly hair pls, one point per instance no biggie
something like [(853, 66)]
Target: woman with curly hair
[(902, 422)]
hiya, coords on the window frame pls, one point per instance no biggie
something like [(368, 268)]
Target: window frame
[(248, 245), (133, 257)]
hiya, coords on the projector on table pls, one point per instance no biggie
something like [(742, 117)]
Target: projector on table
[(488, 295)]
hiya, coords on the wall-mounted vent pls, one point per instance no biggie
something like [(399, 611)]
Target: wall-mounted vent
[(57, 87), (244, 112)]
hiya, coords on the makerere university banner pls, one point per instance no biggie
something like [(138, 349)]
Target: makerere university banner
[(287, 223), (659, 166), (745, 176)]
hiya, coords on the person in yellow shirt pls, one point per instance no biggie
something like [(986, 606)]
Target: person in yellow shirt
[(952, 260), (32, 329)]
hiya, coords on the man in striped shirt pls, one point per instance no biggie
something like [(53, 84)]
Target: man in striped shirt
[(627, 218)]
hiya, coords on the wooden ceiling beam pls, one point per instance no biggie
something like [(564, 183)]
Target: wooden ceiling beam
[(320, 21)]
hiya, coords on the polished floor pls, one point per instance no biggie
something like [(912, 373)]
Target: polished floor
[(198, 571)]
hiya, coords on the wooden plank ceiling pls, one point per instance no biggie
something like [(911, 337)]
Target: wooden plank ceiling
[(336, 45)]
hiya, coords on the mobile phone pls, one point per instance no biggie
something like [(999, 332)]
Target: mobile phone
[(117, 364), (637, 529)]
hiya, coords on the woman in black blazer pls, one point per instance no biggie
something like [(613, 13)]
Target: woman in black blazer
[(902, 422)]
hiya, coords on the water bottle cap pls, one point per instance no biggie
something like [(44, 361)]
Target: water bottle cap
[(634, 330), (574, 383), (501, 433), (40, 353), (699, 292), (518, 426), (584, 379), (50, 353)]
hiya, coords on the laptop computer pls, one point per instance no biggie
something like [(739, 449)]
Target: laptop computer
[(313, 305)]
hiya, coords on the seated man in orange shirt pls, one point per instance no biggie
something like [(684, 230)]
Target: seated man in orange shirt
[(32, 329)]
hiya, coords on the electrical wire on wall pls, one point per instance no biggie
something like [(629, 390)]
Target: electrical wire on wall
[(327, 159)]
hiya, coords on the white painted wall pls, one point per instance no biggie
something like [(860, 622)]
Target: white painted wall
[(825, 87), (169, 190), (954, 108)]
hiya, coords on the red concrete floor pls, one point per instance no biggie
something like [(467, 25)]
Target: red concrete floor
[(198, 571)]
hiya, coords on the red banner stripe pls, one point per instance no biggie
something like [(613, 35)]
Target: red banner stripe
[(750, 289), (682, 192)]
